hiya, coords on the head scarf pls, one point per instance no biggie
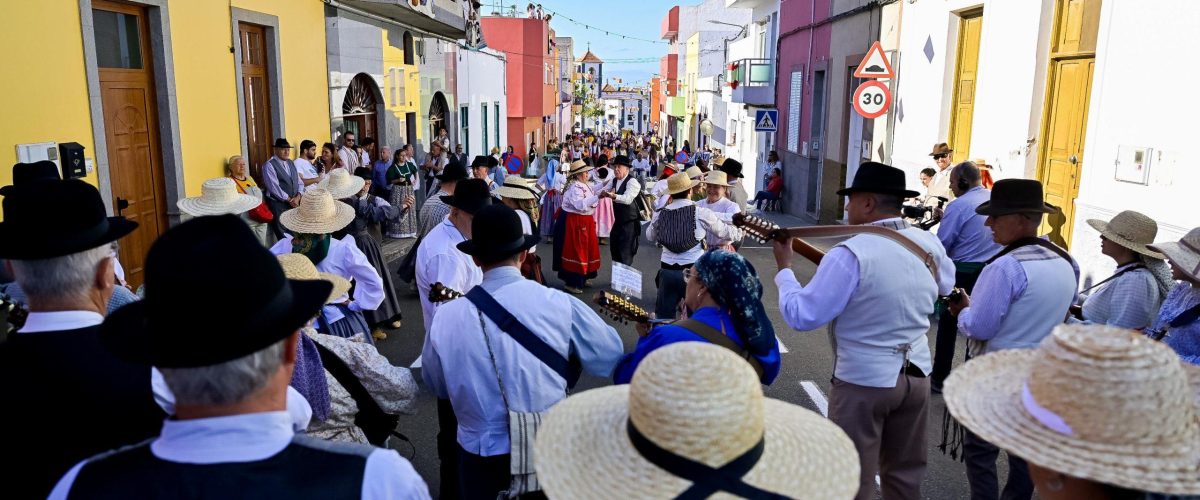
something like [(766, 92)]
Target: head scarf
[(733, 283), (1161, 271), (308, 377), (313, 246)]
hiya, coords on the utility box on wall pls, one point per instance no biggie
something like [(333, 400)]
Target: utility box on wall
[(72, 162)]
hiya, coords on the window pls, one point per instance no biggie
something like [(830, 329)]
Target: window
[(498, 118), (484, 128), (795, 98), (464, 122), (118, 44)]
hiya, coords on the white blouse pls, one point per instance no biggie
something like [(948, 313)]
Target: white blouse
[(580, 199)]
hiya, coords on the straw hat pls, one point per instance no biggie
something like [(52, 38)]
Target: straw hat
[(1131, 230), (218, 197), (516, 188), (716, 178), (341, 184), (318, 213), (680, 182), (712, 416), (1094, 402), (718, 161), (694, 172), (579, 167), (1184, 253), (298, 267)]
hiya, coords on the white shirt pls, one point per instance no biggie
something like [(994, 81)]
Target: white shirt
[(258, 436), (580, 199), (297, 406), (642, 164), (440, 261), (457, 365), (346, 260), (707, 223), (350, 159), (724, 209), (57, 321), (661, 198), (305, 168), (526, 227), (631, 191)]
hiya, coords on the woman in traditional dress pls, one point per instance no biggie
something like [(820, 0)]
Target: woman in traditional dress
[(604, 211), (551, 183), (523, 198), (576, 247), (403, 179)]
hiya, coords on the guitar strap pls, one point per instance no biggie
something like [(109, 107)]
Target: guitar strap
[(911, 246)]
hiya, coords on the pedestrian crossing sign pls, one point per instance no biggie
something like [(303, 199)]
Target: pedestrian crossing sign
[(766, 120)]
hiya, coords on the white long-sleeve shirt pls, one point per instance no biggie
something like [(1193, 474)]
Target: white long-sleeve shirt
[(707, 223), (724, 209), (346, 260), (631, 191), (580, 199), (440, 261)]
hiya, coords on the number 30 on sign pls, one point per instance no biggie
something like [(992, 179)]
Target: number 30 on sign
[(872, 99)]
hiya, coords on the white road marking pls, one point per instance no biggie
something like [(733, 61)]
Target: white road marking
[(818, 399)]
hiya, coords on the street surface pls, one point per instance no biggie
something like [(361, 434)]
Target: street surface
[(804, 379)]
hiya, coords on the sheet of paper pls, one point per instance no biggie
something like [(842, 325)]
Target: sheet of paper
[(626, 280)]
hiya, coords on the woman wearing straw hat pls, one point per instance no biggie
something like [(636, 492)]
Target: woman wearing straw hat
[(1096, 411), (1177, 323), (716, 185), (518, 195), (219, 196), (576, 246), (677, 431), (1130, 298), (240, 173), (327, 365), (312, 225), (724, 300)]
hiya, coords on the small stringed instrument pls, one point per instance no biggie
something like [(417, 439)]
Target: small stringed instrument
[(765, 231), (441, 293), (620, 309)]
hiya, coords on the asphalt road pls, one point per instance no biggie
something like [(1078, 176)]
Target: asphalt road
[(804, 379)]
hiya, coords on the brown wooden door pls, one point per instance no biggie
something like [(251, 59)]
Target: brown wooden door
[(259, 136), (130, 128)]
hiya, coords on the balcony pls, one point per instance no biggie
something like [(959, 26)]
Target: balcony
[(440, 17), (745, 4), (676, 106), (670, 24), (752, 81)]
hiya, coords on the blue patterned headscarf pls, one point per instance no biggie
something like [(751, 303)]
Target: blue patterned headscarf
[(733, 283)]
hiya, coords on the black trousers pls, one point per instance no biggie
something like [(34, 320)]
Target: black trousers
[(623, 241), (482, 478), (947, 333), (277, 209), (447, 445), (980, 457)]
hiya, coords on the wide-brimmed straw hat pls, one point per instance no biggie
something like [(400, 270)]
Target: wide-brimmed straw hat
[(716, 178), (341, 183), (298, 267), (516, 188), (716, 415), (1184, 253), (680, 182), (1130, 229), (1094, 402), (694, 172), (318, 213), (579, 167), (218, 197)]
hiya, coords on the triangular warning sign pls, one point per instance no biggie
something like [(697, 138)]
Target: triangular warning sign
[(765, 122), (875, 64)]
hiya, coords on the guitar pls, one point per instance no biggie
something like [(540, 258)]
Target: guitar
[(620, 309), (764, 231), (441, 293)]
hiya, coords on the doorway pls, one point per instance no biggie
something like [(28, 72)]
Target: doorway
[(816, 138), (963, 104), (438, 115), (359, 115), (128, 99), (257, 100), (1064, 122)]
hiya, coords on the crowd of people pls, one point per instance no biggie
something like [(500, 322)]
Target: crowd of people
[(246, 364)]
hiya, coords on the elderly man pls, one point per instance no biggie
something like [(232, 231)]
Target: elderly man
[(492, 336), (435, 162), (879, 293), (65, 397), (283, 183), (1022, 293), (735, 191), (379, 170), (940, 185), (969, 243), (231, 435), (624, 190)]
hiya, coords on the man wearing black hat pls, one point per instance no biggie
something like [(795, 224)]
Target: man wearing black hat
[(283, 183), (623, 189), (1023, 292), (735, 192), (434, 210), (438, 260), (462, 361), (65, 396), (231, 435), (881, 294), (481, 168)]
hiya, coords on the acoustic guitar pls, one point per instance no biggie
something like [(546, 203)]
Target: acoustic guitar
[(765, 231), (620, 309), (441, 293)]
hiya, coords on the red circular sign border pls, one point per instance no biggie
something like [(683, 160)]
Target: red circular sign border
[(887, 103)]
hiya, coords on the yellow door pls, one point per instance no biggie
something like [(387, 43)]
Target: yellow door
[(964, 85), (1062, 157)]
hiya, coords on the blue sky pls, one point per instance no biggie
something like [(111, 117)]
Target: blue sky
[(639, 18)]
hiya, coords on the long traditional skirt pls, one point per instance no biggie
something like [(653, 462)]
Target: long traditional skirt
[(576, 246), (406, 225), (352, 324), (389, 310), (604, 217), (551, 202)]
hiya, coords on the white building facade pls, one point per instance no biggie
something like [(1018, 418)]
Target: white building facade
[(482, 100)]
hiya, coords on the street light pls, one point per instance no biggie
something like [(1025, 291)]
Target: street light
[(714, 21)]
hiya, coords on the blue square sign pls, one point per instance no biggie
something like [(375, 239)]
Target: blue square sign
[(766, 120)]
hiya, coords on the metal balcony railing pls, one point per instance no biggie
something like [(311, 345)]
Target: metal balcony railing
[(751, 72)]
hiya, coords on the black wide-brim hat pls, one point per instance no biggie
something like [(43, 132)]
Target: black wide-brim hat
[(622, 160), (469, 196), (23, 173), (496, 234), (480, 161), (731, 167), (454, 171), (282, 143), (1016, 196), (875, 177), (49, 218), (203, 308)]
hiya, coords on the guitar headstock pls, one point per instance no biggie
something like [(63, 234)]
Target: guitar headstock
[(756, 227), (619, 308), (441, 293)]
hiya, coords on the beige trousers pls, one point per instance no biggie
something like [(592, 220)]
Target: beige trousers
[(887, 426)]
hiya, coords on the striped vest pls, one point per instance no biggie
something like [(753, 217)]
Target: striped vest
[(675, 229)]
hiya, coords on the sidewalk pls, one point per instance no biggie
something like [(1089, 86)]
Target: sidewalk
[(394, 250)]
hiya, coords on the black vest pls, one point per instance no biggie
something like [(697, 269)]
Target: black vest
[(306, 468), (624, 212), (65, 398)]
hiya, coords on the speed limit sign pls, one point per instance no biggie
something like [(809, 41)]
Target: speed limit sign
[(872, 99)]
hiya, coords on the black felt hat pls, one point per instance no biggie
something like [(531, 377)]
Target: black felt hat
[(45, 219), (875, 177), (202, 307), (1016, 196), (282, 143), (454, 171), (622, 160), (731, 167), (496, 234), (23, 173), (481, 161), (469, 195)]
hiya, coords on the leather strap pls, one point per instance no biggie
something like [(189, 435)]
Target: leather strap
[(715, 337), (923, 255)]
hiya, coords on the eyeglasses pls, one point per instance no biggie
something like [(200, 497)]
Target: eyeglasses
[(940, 156), (689, 273), (349, 139)]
